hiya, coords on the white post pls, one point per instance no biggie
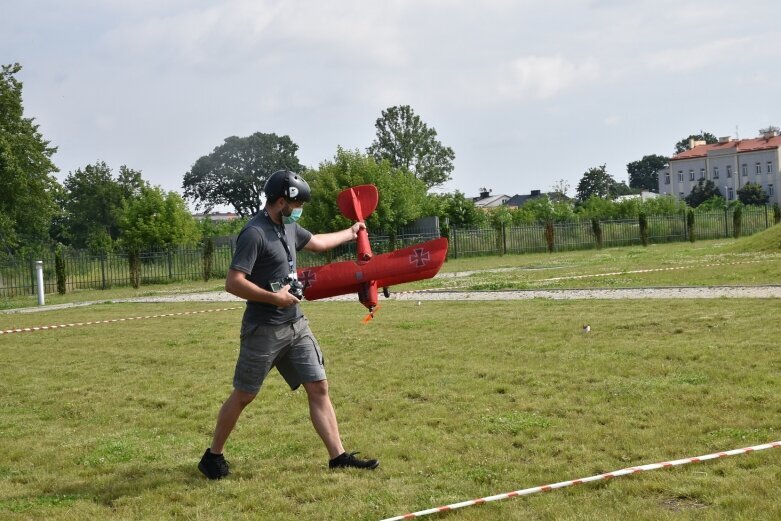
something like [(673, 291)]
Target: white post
[(39, 277)]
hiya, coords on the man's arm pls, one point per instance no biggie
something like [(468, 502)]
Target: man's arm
[(236, 283), (326, 241)]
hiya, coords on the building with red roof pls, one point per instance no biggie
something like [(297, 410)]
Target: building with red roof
[(730, 164)]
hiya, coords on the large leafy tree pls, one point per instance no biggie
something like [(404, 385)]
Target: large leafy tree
[(402, 197), (28, 186), (752, 193), (409, 144), (704, 190), (644, 174), (683, 145), (236, 171), (94, 202), (595, 182)]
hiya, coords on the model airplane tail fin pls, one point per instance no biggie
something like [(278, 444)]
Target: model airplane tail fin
[(358, 203)]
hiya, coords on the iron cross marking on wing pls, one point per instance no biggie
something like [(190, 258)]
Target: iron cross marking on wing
[(308, 278), (419, 257)]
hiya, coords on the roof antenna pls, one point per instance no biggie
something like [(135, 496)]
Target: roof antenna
[(737, 134)]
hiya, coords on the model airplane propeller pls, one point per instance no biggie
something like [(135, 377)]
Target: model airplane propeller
[(369, 272)]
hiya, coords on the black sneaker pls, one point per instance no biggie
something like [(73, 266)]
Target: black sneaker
[(213, 466), (348, 460)]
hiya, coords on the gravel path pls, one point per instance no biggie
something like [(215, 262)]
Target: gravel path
[(555, 294)]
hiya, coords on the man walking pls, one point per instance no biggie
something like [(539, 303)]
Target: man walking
[(274, 332)]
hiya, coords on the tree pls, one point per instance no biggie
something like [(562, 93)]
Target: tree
[(235, 172), (620, 188), (559, 190), (26, 198), (459, 210), (409, 144), (769, 129), (683, 145), (703, 191), (752, 194), (543, 209), (402, 195), (94, 202), (157, 219), (595, 182), (644, 174)]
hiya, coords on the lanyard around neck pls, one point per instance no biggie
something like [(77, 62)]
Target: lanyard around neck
[(282, 236)]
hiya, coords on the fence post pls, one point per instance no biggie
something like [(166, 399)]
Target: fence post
[(726, 226), (455, 243), (31, 263), (504, 240), (170, 263), (767, 223), (102, 270)]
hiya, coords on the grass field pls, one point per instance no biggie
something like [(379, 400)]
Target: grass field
[(459, 400)]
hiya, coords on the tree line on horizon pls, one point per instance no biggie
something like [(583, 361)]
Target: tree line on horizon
[(97, 209)]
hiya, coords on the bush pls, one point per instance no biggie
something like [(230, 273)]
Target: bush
[(208, 256), (549, 235), (59, 268), (737, 218), (596, 226), (690, 224), (643, 221)]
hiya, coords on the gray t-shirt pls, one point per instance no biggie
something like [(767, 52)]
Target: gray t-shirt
[(261, 255)]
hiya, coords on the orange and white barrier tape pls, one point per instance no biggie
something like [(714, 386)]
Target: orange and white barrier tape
[(599, 477), (74, 324), (651, 270)]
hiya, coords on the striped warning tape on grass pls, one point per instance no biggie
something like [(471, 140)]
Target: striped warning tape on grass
[(74, 324), (599, 477), (652, 270)]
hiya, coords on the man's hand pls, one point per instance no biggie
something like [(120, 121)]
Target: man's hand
[(285, 299), (355, 227)]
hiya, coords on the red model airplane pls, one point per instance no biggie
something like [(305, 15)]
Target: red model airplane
[(369, 272)]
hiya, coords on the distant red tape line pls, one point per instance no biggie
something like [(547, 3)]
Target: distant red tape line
[(93, 322)]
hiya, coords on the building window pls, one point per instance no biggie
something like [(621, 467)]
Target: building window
[(667, 178), (769, 189), (729, 171), (758, 168), (730, 193), (715, 172), (769, 167), (680, 176), (745, 169), (702, 173), (691, 175), (680, 194)]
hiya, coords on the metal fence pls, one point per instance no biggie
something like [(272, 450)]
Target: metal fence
[(86, 270), (579, 235)]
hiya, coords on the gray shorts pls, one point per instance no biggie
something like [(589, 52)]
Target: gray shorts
[(291, 348)]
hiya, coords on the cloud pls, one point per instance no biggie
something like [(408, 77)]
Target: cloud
[(699, 56), (543, 77), (252, 31)]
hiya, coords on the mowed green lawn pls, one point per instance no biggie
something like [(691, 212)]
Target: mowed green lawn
[(459, 400)]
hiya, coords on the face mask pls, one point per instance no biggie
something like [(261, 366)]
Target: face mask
[(295, 215)]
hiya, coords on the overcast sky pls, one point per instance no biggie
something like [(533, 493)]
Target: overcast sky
[(525, 92)]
